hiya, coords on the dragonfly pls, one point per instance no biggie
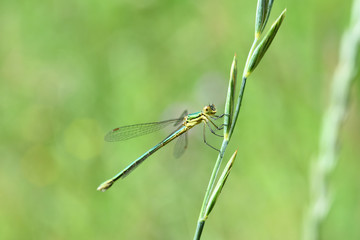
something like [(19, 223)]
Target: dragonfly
[(187, 121)]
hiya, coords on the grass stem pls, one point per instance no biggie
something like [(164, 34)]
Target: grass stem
[(333, 119)]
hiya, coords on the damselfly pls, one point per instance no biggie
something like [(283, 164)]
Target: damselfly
[(187, 121)]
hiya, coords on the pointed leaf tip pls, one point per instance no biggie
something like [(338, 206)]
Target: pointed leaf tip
[(220, 185), (229, 105), (263, 46)]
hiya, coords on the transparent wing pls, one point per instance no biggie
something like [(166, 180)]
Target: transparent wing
[(136, 130), (181, 118), (181, 145), (181, 142)]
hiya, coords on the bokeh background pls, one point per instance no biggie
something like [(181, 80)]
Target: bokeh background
[(72, 70)]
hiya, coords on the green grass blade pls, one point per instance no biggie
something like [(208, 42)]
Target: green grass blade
[(264, 45), (262, 15), (229, 105), (220, 184)]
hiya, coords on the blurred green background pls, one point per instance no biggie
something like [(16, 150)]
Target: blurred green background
[(72, 70)]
